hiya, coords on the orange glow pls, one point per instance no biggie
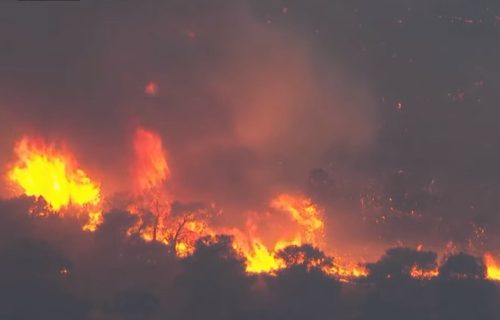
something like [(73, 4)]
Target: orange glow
[(152, 203), (304, 225), (44, 171), (260, 259), (151, 167), (492, 267), (152, 210), (151, 89), (179, 232), (41, 170), (305, 213), (346, 269), (307, 227), (418, 273)]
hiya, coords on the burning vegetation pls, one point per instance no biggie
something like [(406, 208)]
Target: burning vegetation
[(54, 177), (44, 171)]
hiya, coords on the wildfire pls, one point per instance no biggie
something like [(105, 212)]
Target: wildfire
[(289, 232), (260, 259), (151, 168), (41, 170), (492, 267), (151, 204), (305, 226), (304, 212), (346, 269), (419, 273)]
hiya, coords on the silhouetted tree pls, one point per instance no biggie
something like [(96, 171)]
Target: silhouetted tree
[(303, 290), (31, 277), (463, 293), (213, 282)]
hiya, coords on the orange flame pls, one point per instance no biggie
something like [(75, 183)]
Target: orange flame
[(305, 213), (44, 171), (419, 273), (151, 167), (492, 267), (307, 227), (152, 204), (41, 170), (346, 269), (262, 260), (150, 171)]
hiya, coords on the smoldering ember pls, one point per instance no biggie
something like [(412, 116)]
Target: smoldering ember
[(250, 159)]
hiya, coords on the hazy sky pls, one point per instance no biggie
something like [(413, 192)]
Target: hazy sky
[(393, 101), (384, 112)]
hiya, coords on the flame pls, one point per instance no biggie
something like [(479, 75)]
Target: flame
[(41, 170), (95, 219), (304, 212), (151, 168), (152, 203), (150, 171), (262, 260), (419, 273), (492, 267), (306, 226), (346, 269), (44, 171)]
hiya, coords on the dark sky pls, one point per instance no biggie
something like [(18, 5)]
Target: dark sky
[(385, 112)]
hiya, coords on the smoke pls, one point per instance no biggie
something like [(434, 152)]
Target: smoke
[(244, 111), (384, 113)]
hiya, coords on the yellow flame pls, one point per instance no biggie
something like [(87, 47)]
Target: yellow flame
[(43, 171), (304, 212), (259, 259), (492, 267)]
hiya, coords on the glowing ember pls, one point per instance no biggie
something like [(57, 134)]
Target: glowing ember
[(418, 273), (346, 270), (151, 89), (64, 271), (94, 220), (152, 210), (492, 267), (41, 170)]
